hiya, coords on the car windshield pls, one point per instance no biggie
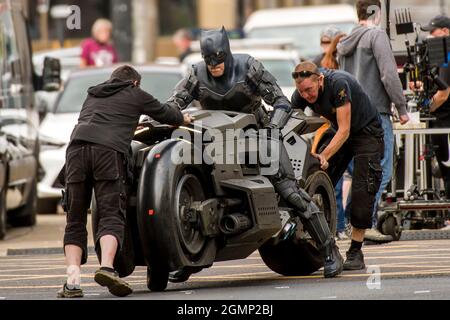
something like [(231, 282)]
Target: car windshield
[(306, 38), (160, 85), (281, 70)]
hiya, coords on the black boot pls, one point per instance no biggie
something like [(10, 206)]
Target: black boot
[(334, 262), (318, 229), (355, 260), (315, 223)]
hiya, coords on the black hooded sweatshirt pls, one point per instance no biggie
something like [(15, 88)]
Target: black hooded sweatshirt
[(111, 112)]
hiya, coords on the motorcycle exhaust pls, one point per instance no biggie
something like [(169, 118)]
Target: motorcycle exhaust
[(235, 223)]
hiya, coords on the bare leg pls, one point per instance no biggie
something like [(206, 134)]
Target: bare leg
[(106, 276), (108, 245), (73, 263), (358, 234)]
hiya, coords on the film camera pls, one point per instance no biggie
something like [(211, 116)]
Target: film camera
[(423, 60)]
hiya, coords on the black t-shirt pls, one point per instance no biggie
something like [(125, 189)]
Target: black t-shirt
[(442, 113), (340, 87)]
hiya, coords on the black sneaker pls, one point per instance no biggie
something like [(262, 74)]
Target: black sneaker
[(181, 275), (355, 260), (70, 291), (333, 264), (107, 277)]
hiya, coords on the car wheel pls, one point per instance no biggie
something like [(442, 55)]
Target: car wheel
[(3, 213), (47, 205), (25, 216)]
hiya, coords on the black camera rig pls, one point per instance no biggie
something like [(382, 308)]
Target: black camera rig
[(424, 58)]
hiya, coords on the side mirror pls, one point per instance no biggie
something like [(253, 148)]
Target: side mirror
[(51, 74), (45, 102)]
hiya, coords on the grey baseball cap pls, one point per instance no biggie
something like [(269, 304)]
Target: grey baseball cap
[(439, 21), (330, 32)]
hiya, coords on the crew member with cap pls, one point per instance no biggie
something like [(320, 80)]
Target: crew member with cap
[(238, 82), (327, 36), (338, 96), (439, 105)]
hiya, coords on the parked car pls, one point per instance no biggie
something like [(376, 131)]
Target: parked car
[(301, 24), (19, 120), (280, 63), (55, 130)]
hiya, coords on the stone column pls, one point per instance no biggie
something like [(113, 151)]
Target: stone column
[(145, 30)]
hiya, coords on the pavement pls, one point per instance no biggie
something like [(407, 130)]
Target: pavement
[(397, 270), (32, 267), (46, 237)]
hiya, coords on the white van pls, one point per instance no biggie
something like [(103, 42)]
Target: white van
[(302, 24)]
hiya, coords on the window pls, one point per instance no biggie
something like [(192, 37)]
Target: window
[(308, 44), (281, 69), (2, 57), (23, 49), (159, 84), (12, 73), (2, 65)]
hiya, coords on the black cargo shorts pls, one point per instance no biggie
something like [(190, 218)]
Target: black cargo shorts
[(366, 147), (89, 167)]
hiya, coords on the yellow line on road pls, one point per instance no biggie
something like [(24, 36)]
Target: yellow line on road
[(443, 263), (32, 269), (319, 276), (258, 265), (30, 258), (407, 266), (46, 266), (406, 250), (226, 276), (369, 248), (401, 273), (407, 258), (245, 277), (33, 278)]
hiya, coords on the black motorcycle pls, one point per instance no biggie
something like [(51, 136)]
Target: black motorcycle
[(186, 215)]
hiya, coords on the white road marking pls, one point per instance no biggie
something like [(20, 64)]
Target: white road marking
[(421, 291), (188, 292), (281, 287), (332, 297)]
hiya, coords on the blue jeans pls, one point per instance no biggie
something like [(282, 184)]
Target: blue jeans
[(386, 165), (342, 216), (387, 161)]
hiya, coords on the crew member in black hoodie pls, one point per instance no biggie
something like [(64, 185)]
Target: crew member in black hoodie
[(96, 159)]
